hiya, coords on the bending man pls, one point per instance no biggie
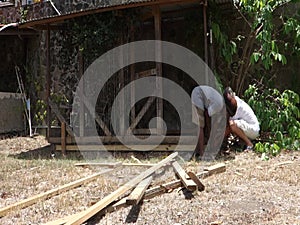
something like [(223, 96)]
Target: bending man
[(208, 103)]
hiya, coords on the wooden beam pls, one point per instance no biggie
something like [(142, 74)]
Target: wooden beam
[(218, 168), (146, 73), (88, 213), (122, 96), (205, 32), (61, 119), (196, 179), (30, 201), (63, 138), (137, 194), (110, 165), (141, 113), (132, 78), (94, 140), (140, 148), (97, 118), (48, 82), (188, 183), (115, 164), (81, 103), (158, 57)]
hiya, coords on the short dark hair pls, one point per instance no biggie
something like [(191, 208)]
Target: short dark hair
[(229, 98)]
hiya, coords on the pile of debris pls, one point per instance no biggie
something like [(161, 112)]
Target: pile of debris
[(134, 190)]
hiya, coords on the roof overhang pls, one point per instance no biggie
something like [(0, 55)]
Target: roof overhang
[(56, 19)]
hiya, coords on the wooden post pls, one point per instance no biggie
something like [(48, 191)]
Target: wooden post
[(81, 107), (132, 77), (63, 138), (205, 31), (48, 82), (205, 41), (122, 102), (158, 56)]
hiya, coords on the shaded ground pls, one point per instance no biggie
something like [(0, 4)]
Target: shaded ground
[(251, 191)]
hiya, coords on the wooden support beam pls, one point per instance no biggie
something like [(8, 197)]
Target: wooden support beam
[(48, 82), (97, 118), (88, 213), (137, 194), (140, 148), (61, 119), (158, 57), (141, 113), (132, 76), (30, 201), (205, 32), (122, 96), (188, 183), (63, 138), (94, 140), (81, 104), (146, 73)]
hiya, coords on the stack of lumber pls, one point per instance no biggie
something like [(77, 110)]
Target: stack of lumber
[(131, 193)]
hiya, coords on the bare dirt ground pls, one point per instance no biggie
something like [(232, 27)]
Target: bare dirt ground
[(251, 191)]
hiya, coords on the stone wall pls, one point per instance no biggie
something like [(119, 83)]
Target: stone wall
[(11, 112)]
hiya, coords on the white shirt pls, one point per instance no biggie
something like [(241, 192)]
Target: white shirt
[(244, 112)]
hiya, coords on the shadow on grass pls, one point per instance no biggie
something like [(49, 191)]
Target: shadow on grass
[(47, 152)]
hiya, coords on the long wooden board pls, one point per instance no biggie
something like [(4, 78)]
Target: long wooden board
[(116, 164), (88, 213), (137, 194), (188, 183), (42, 196)]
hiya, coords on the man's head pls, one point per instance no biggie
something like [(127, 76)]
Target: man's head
[(229, 98)]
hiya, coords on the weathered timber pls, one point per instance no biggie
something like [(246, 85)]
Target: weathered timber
[(30, 201), (188, 183), (137, 194)]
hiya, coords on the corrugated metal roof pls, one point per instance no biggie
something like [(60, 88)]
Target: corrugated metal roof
[(103, 5)]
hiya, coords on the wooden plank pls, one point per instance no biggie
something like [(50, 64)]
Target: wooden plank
[(218, 168), (196, 179), (141, 113), (30, 201), (111, 165), (188, 183), (61, 119), (139, 148), (88, 213), (136, 195), (146, 73)]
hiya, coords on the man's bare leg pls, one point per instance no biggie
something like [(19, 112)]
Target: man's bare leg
[(240, 133)]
